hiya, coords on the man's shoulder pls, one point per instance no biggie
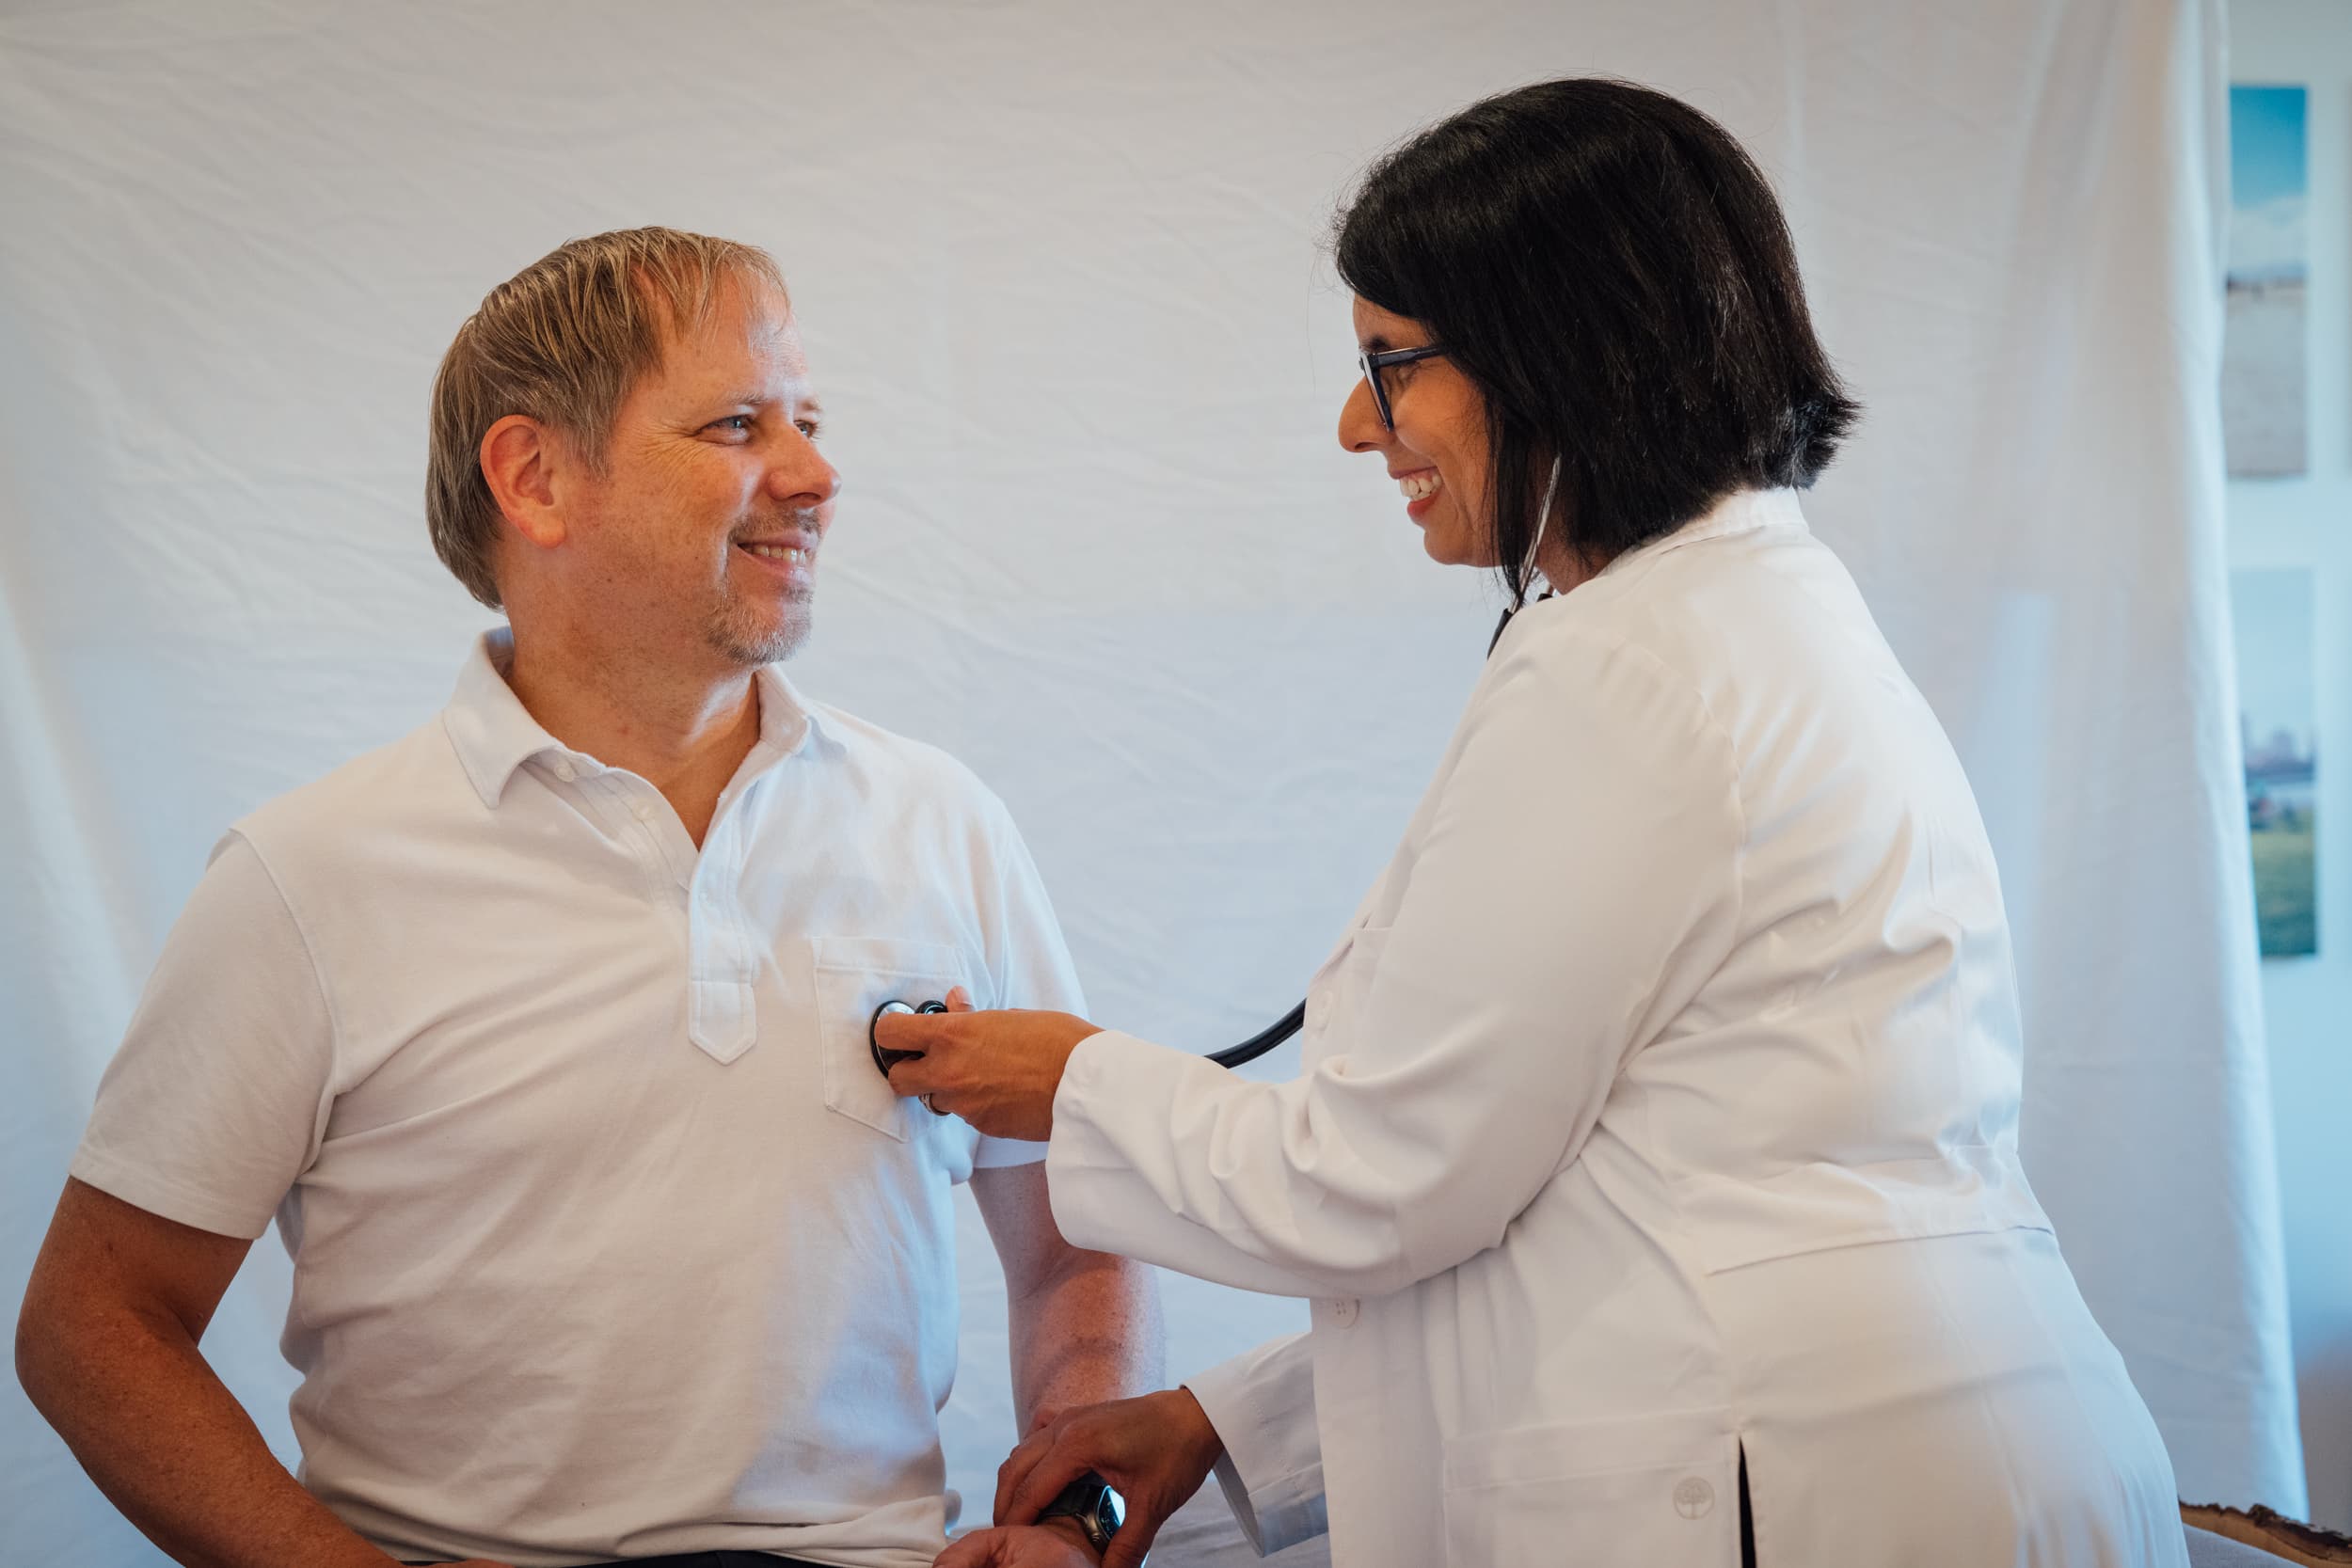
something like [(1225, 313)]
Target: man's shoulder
[(392, 789), (930, 775)]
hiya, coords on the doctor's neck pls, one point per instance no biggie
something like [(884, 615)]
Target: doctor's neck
[(1561, 567)]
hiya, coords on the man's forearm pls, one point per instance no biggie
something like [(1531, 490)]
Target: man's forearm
[(1084, 1331), (170, 1447)]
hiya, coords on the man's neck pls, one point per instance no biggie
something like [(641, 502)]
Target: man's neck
[(685, 733)]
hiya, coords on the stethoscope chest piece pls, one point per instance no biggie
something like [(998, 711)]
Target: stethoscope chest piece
[(885, 1060)]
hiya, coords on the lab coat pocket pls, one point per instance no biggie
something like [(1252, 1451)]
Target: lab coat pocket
[(1660, 1491), (853, 976)]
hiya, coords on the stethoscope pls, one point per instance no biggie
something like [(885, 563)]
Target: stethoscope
[(1290, 1023), (1249, 1050)]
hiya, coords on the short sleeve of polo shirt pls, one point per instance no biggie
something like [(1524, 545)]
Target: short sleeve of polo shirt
[(1030, 964), (216, 1100)]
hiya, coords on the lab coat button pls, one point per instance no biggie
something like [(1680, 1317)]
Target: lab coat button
[(1318, 1013), (1343, 1311)]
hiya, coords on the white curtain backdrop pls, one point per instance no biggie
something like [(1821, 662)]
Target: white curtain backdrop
[(1058, 269)]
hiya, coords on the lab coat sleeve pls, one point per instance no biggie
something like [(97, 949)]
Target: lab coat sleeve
[(1572, 881), (1263, 1405)]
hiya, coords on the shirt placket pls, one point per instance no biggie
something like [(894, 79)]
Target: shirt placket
[(723, 953), (721, 1015), (722, 956)]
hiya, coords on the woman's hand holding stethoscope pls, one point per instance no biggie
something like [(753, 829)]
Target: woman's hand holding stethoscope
[(997, 1070)]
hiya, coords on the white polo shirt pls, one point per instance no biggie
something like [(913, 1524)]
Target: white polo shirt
[(609, 1239)]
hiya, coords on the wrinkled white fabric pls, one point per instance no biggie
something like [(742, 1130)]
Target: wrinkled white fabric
[(1057, 267)]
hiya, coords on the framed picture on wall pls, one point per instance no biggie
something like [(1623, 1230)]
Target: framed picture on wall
[(2276, 707), (2262, 396)]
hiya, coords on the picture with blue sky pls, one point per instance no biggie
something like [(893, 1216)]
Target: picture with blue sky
[(2263, 406)]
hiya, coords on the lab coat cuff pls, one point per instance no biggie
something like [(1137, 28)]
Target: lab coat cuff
[(1097, 1200), (1278, 1501), (1080, 1143)]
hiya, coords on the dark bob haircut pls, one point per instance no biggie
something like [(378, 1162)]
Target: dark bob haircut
[(1611, 270)]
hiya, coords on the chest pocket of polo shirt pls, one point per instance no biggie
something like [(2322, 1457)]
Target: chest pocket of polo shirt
[(854, 975)]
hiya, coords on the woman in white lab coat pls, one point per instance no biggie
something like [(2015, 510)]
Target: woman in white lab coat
[(1653, 1165)]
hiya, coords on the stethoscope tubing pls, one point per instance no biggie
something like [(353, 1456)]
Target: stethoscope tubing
[(1291, 1023), (1247, 1051)]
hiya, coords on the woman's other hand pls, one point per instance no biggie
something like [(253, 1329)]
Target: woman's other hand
[(1154, 1451), (997, 1071)]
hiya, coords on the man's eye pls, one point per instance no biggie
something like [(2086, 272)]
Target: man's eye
[(735, 424), (810, 428)]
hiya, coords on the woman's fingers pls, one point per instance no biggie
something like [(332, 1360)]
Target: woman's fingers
[(998, 1070), (1016, 1467), (1054, 1469), (912, 1076), (917, 1032), (928, 1044), (1156, 1451)]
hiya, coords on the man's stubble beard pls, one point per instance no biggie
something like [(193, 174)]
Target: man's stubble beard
[(734, 629), (733, 633)]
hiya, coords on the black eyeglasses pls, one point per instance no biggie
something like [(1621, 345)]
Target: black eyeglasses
[(1372, 364)]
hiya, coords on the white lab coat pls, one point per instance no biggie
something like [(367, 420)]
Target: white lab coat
[(1658, 1107)]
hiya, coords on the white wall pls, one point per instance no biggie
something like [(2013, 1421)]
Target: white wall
[(2308, 522)]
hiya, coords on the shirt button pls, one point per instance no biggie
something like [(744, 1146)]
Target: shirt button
[(1318, 1013), (1343, 1311), (564, 770), (643, 810)]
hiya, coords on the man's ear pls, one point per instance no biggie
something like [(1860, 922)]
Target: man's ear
[(518, 459)]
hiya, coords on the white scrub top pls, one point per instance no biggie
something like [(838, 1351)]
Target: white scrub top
[(1657, 1108)]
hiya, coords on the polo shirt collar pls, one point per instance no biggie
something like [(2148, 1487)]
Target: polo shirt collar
[(494, 733)]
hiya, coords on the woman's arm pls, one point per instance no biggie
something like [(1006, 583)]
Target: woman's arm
[(1577, 882)]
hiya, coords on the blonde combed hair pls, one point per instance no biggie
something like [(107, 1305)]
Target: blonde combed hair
[(561, 342)]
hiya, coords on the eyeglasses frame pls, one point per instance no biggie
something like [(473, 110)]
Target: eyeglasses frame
[(1372, 364)]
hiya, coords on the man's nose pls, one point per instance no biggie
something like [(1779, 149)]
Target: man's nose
[(1360, 429), (801, 475)]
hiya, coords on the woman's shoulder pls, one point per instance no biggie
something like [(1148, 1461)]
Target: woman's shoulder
[(1763, 606)]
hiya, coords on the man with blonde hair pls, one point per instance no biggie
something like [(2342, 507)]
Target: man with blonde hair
[(542, 1033)]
